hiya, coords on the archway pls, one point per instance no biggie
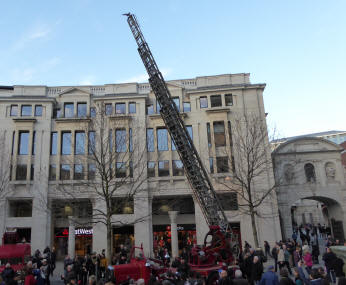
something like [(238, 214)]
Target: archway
[(314, 210)]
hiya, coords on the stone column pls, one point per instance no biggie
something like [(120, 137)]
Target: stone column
[(174, 233), (71, 237)]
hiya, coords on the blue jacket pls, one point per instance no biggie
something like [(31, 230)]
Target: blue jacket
[(269, 278)]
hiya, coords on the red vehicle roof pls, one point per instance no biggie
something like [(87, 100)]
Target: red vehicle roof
[(14, 250)]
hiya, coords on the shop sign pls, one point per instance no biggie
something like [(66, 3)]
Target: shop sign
[(78, 232)]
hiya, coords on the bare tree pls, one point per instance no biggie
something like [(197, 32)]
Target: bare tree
[(250, 159), (110, 167)]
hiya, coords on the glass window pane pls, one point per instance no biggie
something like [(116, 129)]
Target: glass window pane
[(91, 143), (65, 172), (187, 107), (21, 172), (81, 109), (162, 140), (203, 101), (14, 110), (229, 201), (13, 138), (32, 172), (209, 135), (78, 172), (151, 169), (68, 110), (178, 169), (120, 170), (222, 164), (189, 130), (228, 99), (163, 168), (79, 143), (52, 172), (150, 109), (108, 109), (54, 143), (176, 100), (219, 134), (131, 169), (120, 108), (211, 164), (26, 110), (66, 143), (132, 108), (91, 171), (150, 140), (23, 143), (215, 101), (33, 150), (120, 140), (158, 107), (92, 112), (130, 140), (38, 110)]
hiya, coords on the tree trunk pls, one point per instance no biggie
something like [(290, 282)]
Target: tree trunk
[(254, 228), (109, 240)]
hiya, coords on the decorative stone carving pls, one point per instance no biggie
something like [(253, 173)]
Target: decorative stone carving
[(330, 171), (289, 173)]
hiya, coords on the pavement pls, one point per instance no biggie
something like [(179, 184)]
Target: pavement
[(59, 270)]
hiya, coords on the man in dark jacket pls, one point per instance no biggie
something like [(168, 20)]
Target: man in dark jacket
[(329, 258), (269, 277), (284, 279), (275, 256), (8, 274), (256, 270)]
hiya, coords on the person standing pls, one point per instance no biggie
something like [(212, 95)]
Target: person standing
[(307, 257), (267, 249), (329, 258), (275, 251), (256, 270), (269, 277)]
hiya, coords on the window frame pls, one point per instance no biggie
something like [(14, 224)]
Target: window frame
[(79, 115), (20, 139), (41, 110), (131, 106), (67, 108), (203, 106), (14, 109), (122, 108), (160, 170), (215, 103), (22, 109)]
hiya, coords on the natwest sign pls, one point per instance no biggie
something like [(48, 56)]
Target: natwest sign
[(78, 232)]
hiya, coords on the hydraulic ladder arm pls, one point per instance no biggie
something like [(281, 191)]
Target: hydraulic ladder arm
[(198, 178)]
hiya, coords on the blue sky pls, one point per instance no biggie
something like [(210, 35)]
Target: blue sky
[(298, 48)]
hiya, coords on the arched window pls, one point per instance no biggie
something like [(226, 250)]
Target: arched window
[(310, 172)]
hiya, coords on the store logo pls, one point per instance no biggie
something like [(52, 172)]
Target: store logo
[(83, 232)]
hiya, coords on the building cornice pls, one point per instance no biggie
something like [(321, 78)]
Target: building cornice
[(27, 99)]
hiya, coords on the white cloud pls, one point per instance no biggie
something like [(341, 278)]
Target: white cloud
[(143, 77)]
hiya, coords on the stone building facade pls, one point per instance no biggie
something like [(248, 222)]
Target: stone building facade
[(310, 169), (41, 128)]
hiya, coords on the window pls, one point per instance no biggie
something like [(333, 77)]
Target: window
[(20, 209), (120, 171), (38, 110), (92, 112), (189, 130), (229, 201), (132, 107), (13, 138), (110, 140), (215, 101), (150, 109), (131, 169), (52, 172), (150, 140), (120, 140), (53, 143), (14, 111), (78, 172), (211, 165), (162, 139), (158, 107), (151, 169), (187, 107), (26, 110), (203, 102), (209, 135), (176, 100), (91, 171), (33, 146), (121, 206), (23, 143), (130, 140), (120, 108), (108, 109), (91, 142), (32, 172), (66, 143), (310, 172), (229, 99), (81, 109), (79, 144), (178, 168), (68, 110), (65, 172), (56, 113), (222, 164), (163, 168), (219, 134), (21, 172)]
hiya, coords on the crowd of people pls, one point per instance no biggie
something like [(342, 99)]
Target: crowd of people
[(295, 261)]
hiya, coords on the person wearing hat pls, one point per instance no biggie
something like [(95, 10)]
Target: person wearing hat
[(269, 277)]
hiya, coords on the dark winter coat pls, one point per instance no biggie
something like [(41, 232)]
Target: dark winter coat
[(269, 278), (329, 259)]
